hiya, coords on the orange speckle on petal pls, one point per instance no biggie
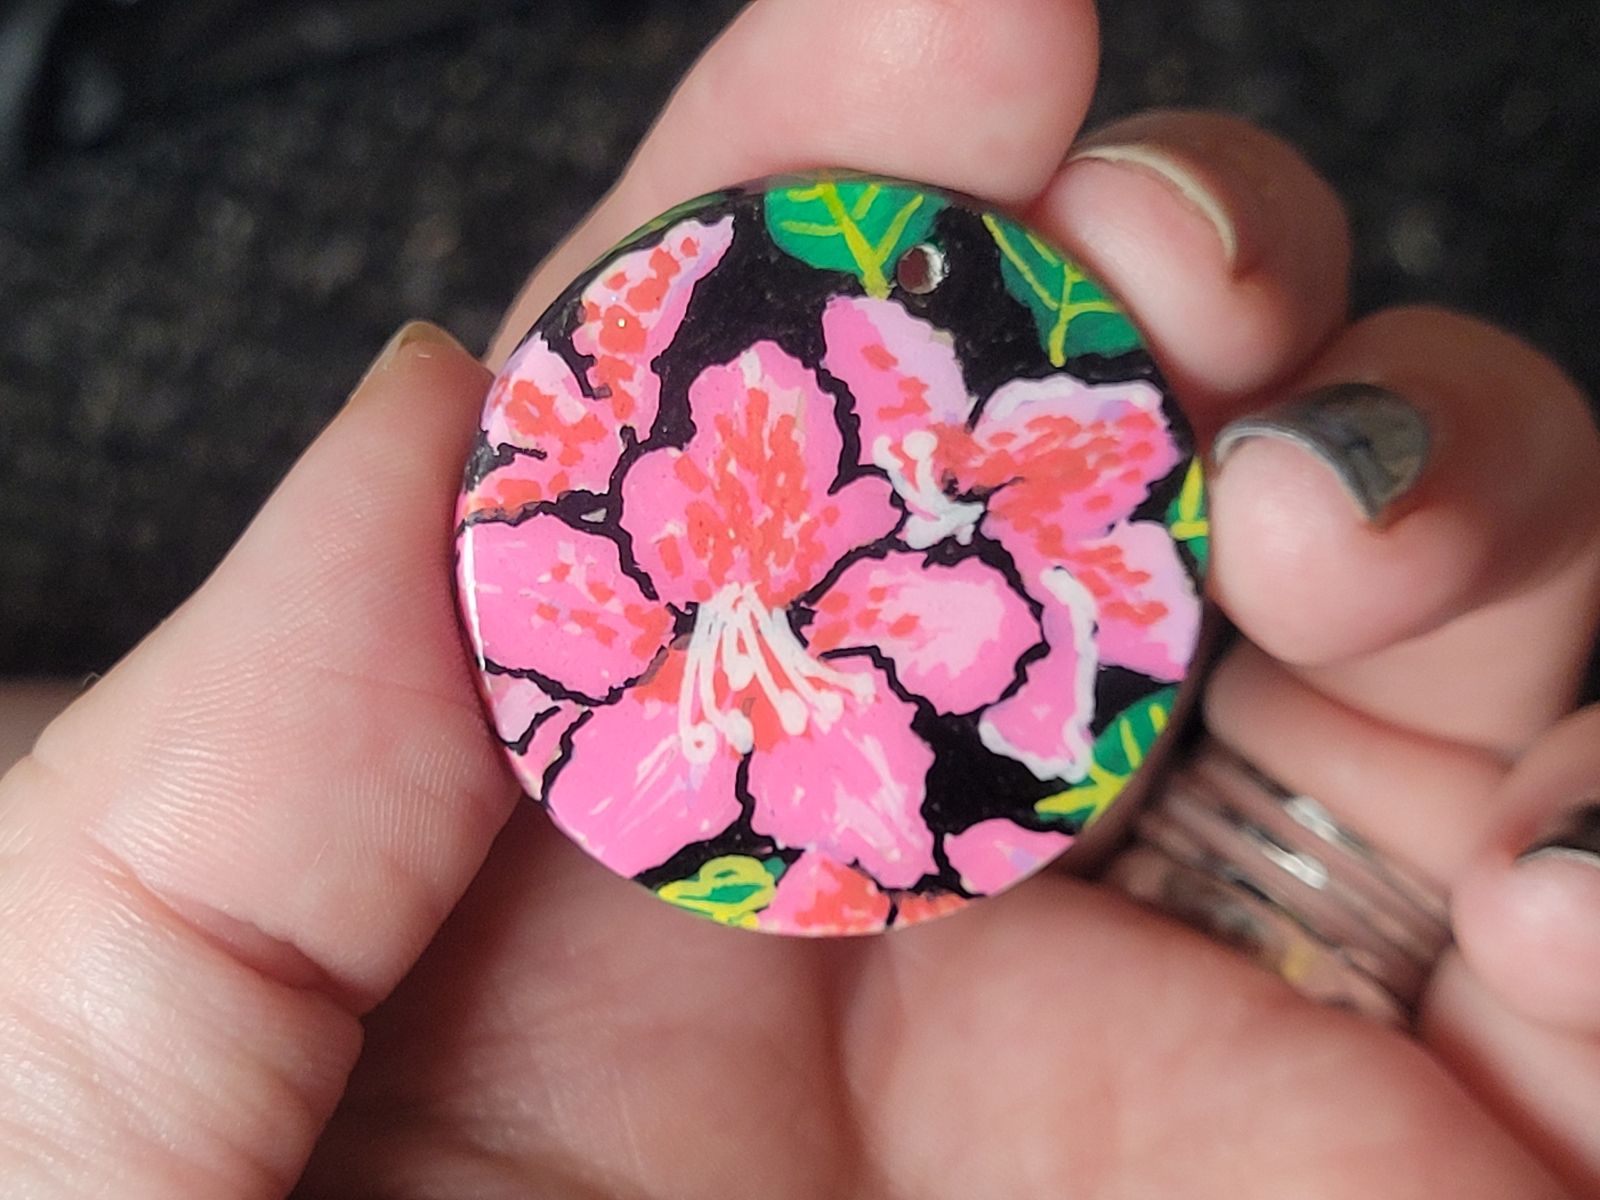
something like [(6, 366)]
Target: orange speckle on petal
[(904, 625)]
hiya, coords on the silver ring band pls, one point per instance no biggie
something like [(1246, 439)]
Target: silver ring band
[(1237, 855)]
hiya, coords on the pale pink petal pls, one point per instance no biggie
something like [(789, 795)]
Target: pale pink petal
[(992, 855), (544, 746), (854, 790), (541, 596), (747, 501), (632, 310), (902, 371), (1066, 460), (567, 441), (1045, 724), (822, 897), (912, 404), (1145, 600), (628, 794), (953, 631), (514, 703)]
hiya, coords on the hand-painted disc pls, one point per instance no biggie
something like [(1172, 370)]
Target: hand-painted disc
[(829, 553)]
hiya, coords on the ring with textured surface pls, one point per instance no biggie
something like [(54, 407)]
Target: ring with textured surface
[(1234, 853)]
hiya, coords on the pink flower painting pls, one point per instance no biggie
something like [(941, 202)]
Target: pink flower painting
[(761, 605)]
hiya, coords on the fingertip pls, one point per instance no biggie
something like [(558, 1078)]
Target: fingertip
[(982, 96), (1308, 577), (1531, 931), (979, 96), (1229, 248)]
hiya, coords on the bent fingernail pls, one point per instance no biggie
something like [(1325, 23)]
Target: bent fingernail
[(412, 333), (1179, 176), (1575, 836), (1373, 439)]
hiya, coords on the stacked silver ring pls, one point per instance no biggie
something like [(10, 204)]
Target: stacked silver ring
[(1232, 852)]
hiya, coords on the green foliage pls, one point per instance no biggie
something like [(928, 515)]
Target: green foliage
[(1072, 314), (1188, 517), (853, 225), (1118, 753), (729, 890)]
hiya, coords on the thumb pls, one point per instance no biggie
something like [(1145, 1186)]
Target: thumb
[(242, 837)]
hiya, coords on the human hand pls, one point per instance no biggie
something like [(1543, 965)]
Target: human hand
[(245, 836)]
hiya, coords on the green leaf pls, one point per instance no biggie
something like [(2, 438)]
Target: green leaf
[(853, 225), (731, 889), (1118, 753), (1071, 312), (1188, 518)]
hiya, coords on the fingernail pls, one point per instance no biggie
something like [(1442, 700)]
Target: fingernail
[(1373, 439), (415, 336), (1180, 177), (1576, 836)]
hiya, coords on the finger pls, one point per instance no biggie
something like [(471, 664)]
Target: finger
[(1541, 1082), (1230, 251), (27, 707), (1465, 609), (245, 833), (1421, 801), (978, 95), (1528, 913)]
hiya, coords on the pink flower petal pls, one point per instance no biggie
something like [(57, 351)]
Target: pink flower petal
[(632, 311), (627, 794), (902, 371), (911, 401), (544, 747), (544, 597), (992, 855), (1066, 460), (569, 441), (822, 897), (1145, 601), (748, 500), (1045, 724), (954, 632), (854, 790), (913, 908), (514, 703)]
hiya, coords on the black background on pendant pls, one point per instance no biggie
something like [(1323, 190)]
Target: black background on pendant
[(759, 291)]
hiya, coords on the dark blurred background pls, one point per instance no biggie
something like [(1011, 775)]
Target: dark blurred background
[(212, 214)]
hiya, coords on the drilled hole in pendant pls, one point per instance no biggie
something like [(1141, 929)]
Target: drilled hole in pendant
[(921, 269)]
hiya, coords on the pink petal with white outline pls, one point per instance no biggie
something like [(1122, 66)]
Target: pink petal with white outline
[(747, 501), (953, 631), (1145, 601), (628, 795), (1045, 724), (912, 404), (992, 855), (853, 791), (633, 310), (1065, 459), (544, 597), (820, 897)]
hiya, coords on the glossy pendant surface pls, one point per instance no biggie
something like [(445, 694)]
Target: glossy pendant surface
[(830, 555)]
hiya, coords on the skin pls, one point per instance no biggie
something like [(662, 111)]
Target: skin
[(273, 921)]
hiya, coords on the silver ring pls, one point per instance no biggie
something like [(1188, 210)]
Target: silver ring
[(1237, 855)]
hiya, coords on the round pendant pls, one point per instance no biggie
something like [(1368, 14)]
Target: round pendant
[(830, 554)]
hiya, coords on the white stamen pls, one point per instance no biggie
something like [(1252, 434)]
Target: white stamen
[(749, 643), (934, 516)]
